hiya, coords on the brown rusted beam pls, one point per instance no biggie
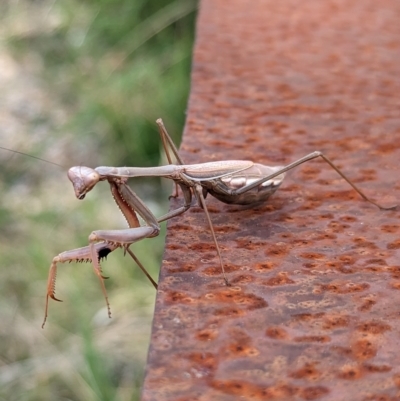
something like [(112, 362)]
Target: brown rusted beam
[(314, 307)]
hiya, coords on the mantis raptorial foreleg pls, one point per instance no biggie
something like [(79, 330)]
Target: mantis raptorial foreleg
[(128, 202), (75, 255), (85, 254)]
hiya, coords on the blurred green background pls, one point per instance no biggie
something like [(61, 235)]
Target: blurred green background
[(82, 83)]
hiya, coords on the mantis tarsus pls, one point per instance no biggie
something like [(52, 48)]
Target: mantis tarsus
[(232, 181)]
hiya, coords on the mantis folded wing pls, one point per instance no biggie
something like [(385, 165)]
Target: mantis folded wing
[(232, 181)]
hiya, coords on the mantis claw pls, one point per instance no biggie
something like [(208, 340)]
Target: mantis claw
[(97, 270), (52, 296)]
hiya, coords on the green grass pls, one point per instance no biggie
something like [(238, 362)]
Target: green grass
[(82, 83)]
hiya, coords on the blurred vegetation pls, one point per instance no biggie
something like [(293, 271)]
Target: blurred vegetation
[(82, 84)]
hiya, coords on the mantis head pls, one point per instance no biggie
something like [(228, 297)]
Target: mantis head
[(83, 180)]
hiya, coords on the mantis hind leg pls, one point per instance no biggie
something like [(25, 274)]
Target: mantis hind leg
[(305, 159)]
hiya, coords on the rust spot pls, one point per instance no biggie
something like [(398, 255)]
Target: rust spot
[(250, 391), (313, 255), (395, 271), (325, 236), (367, 305), (308, 317), (342, 269), (376, 368), (266, 208), (276, 250), (311, 265), (207, 335), (286, 218), (229, 311), (252, 302), (390, 228), (180, 227), (385, 148), (310, 170), (264, 266), (227, 228), (241, 347), (394, 244), (201, 247), (277, 333), (376, 261), (249, 244), (242, 279), (395, 285), (344, 351), (345, 287), (333, 322), (203, 360), (249, 301), (312, 339), (363, 349), (314, 393), (213, 209), (308, 371), (396, 380), (174, 247), (178, 297), (373, 327), (350, 372), (326, 216), (373, 269), (362, 242), (217, 271), (349, 219), (348, 259), (219, 143), (286, 235), (280, 279), (367, 175), (337, 227), (183, 269)]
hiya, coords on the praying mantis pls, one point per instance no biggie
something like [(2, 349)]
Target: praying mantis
[(239, 182)]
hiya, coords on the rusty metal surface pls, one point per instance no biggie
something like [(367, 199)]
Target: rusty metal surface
[(314, 307)]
